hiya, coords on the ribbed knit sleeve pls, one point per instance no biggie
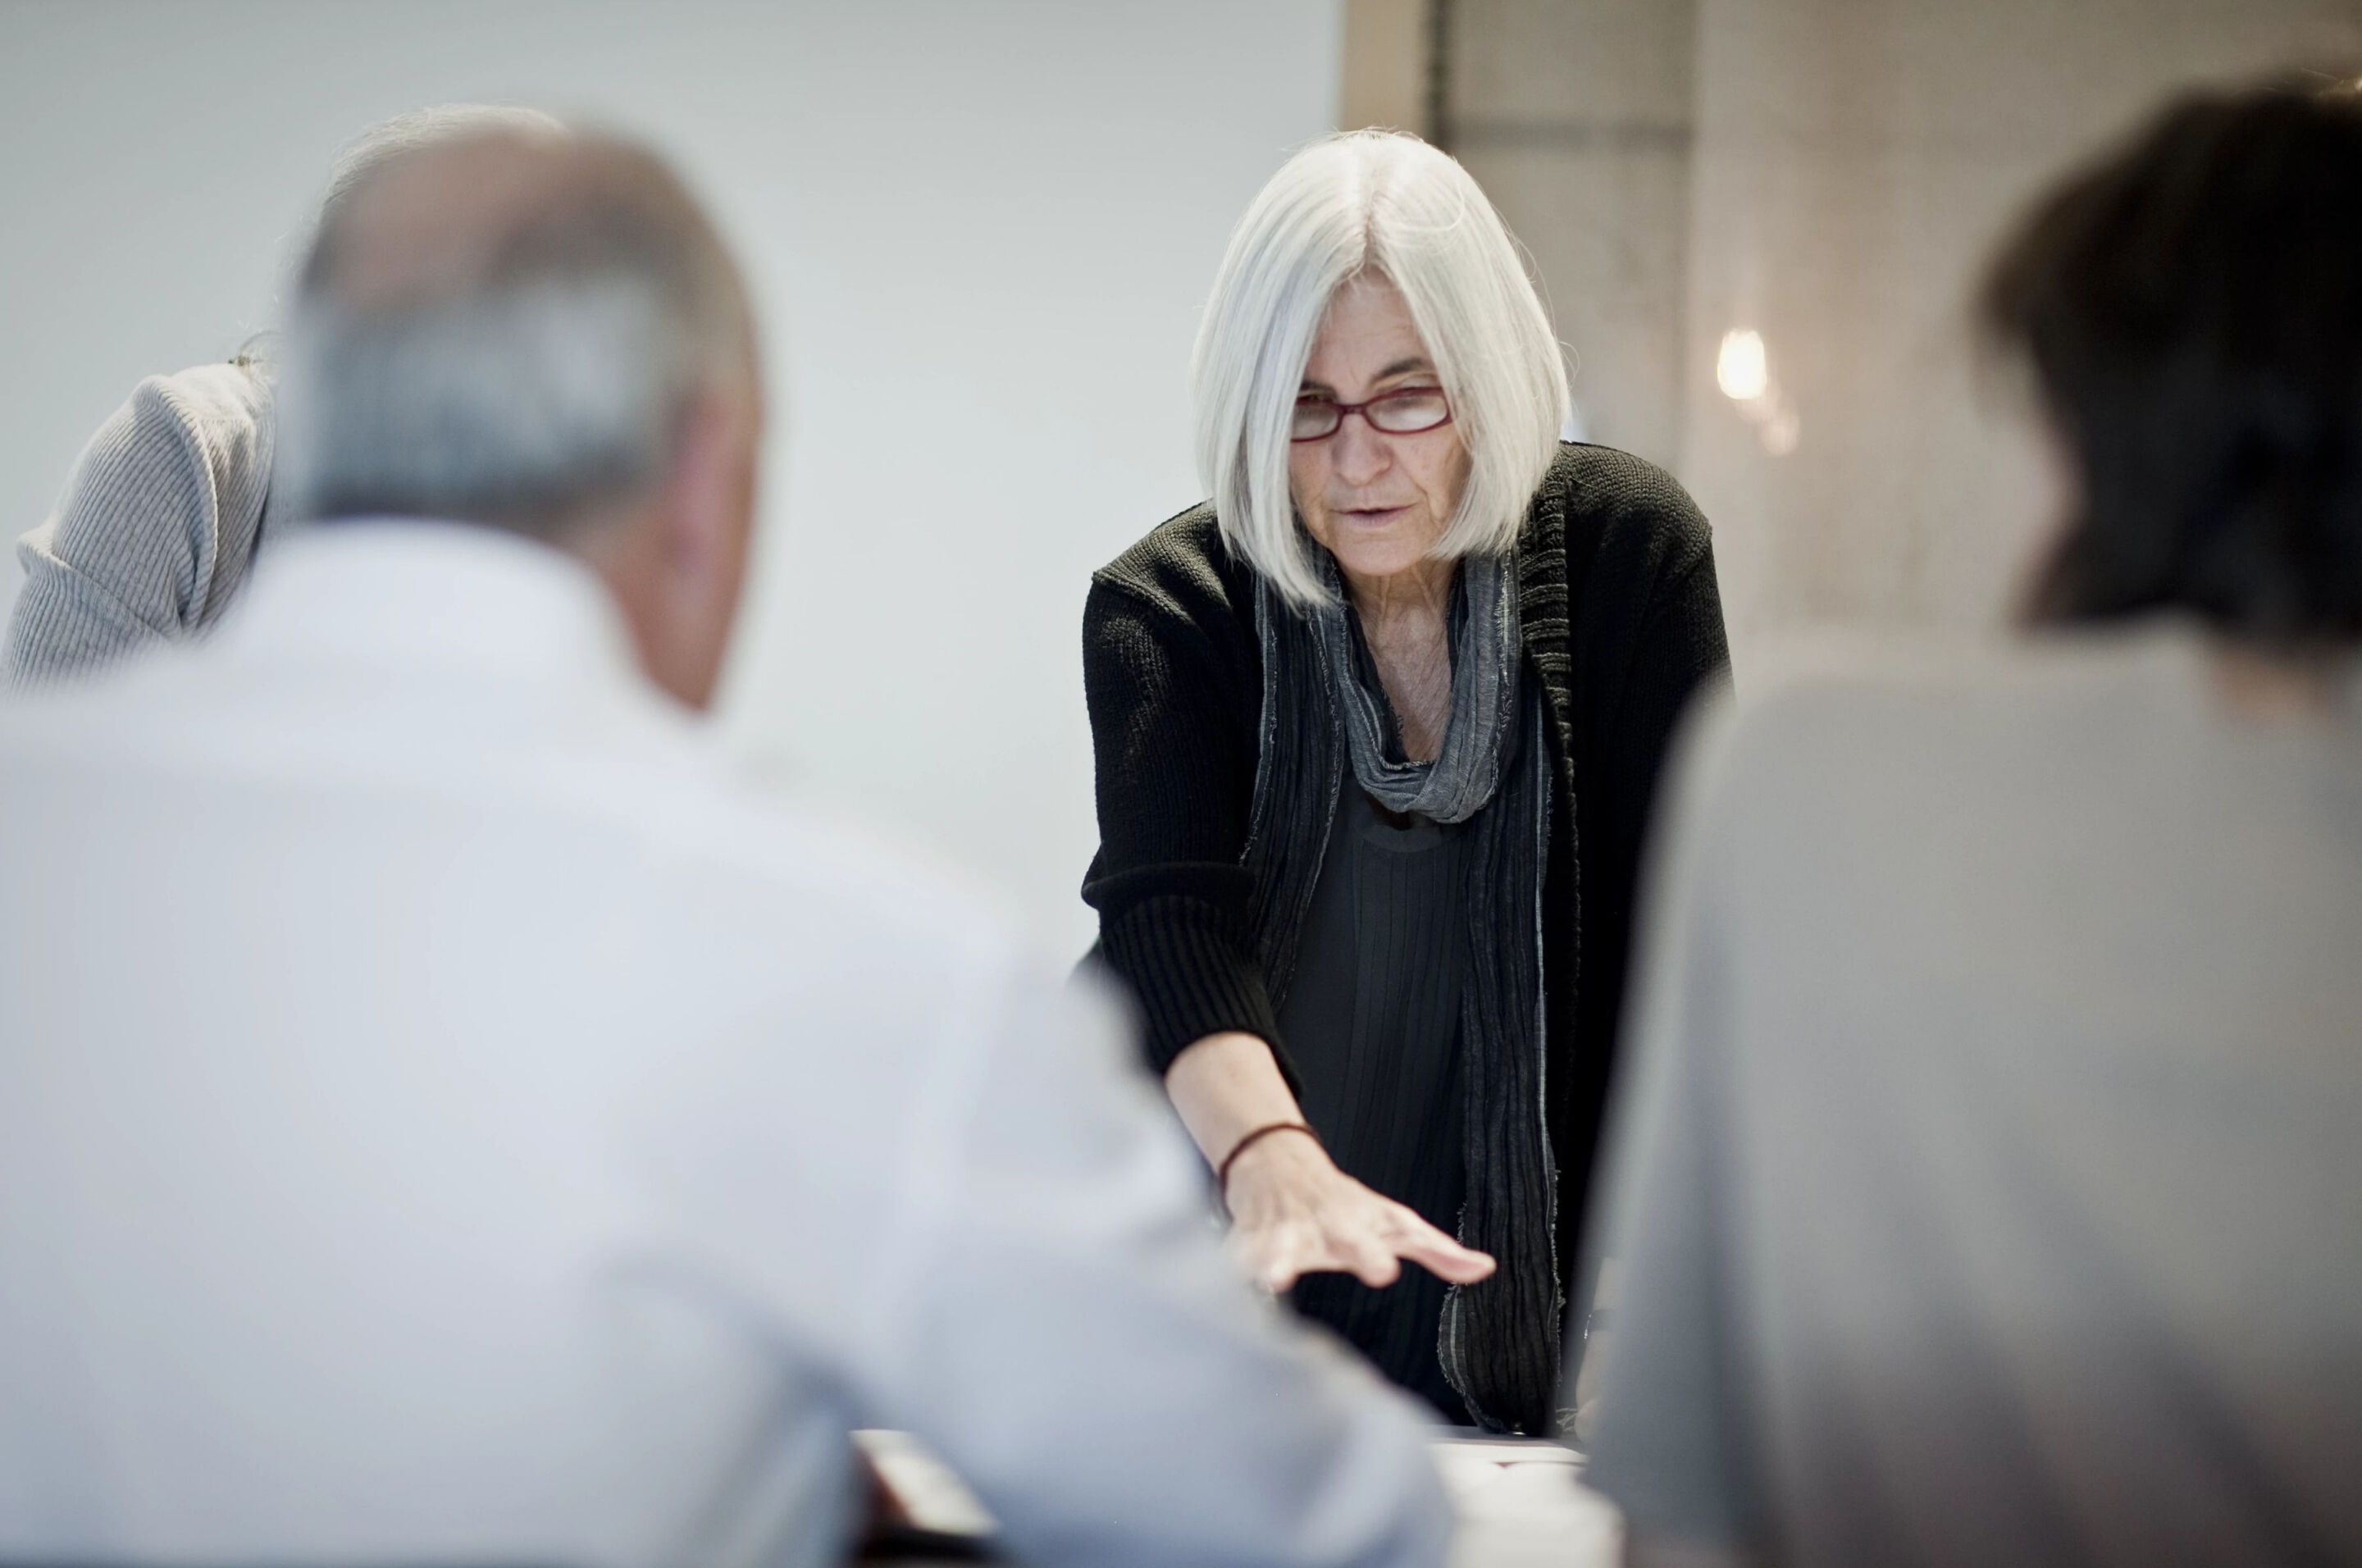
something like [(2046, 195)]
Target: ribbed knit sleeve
[(156, 529), (1173, 709)]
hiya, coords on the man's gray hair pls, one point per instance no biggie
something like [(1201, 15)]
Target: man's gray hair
[(1389, 202), (503, 327)]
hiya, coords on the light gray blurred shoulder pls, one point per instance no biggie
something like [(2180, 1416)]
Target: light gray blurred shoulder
[(1826, 713)]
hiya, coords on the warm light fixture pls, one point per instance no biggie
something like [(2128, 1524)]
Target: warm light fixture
[(1742, 370)]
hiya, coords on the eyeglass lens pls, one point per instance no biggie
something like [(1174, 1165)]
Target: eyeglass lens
[(1405, 412)]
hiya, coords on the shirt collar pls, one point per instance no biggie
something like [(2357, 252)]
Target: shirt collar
[(423, 593)]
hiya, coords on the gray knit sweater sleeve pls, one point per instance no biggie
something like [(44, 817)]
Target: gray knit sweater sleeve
[(157, 528)]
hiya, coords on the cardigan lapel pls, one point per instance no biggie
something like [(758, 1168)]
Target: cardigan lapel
[(1544, 613)]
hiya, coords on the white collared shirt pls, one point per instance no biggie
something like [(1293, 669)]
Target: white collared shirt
[(443, 1116)]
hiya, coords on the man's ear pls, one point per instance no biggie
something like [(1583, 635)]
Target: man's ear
[(706, 512), (675, 560), (703, 496)]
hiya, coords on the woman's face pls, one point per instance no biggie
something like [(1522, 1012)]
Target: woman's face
[(1378, 502)]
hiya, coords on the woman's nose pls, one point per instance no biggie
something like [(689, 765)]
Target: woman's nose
[(1358, 453)]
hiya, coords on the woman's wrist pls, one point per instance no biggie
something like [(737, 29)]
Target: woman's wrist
[(1224, 1087), (1274, 1176), (1246, 1145)]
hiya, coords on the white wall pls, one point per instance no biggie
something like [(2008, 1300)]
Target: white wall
[(979, 231)]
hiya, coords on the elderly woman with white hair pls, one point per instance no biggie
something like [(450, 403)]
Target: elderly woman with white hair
[(168, 504), (1377, 729)]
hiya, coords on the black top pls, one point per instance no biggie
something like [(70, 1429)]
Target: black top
[(1372, 1020), (1621, 620)]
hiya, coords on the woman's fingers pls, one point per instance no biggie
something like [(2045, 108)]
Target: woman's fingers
[(1429, 1248), (1276, 1255), (1451, 1262), (1369, 1260)]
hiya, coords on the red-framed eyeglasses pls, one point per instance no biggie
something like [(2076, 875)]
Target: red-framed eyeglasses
[(1403, 413)]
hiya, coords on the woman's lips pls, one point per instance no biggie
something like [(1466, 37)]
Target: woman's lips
[(1372, 517)]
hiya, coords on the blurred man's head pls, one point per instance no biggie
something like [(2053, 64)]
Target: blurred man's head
[(538, 330), (2191, 306)]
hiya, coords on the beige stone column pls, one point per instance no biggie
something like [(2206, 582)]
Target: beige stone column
[(1389, 63), (1575, 115)]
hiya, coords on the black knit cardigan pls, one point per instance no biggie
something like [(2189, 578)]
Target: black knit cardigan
[(1622, 622)]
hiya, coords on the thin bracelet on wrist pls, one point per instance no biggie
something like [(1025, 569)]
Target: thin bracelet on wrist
[(1222, 1171)]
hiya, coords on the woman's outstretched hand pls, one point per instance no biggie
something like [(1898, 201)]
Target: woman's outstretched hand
[(1293, 1213)]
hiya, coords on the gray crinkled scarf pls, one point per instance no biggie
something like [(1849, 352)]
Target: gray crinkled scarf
[(1322, 710)]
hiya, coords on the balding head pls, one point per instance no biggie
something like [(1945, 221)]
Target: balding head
[(413, 129), (530, 330)]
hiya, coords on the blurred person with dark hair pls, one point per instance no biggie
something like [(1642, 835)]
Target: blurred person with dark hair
[(161, 517), (444, 1118), (1988, 1187)]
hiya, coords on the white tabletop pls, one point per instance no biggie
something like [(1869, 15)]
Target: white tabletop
[(1521, 1504)]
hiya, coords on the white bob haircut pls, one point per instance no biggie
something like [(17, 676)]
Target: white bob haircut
[(1384, 202)]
